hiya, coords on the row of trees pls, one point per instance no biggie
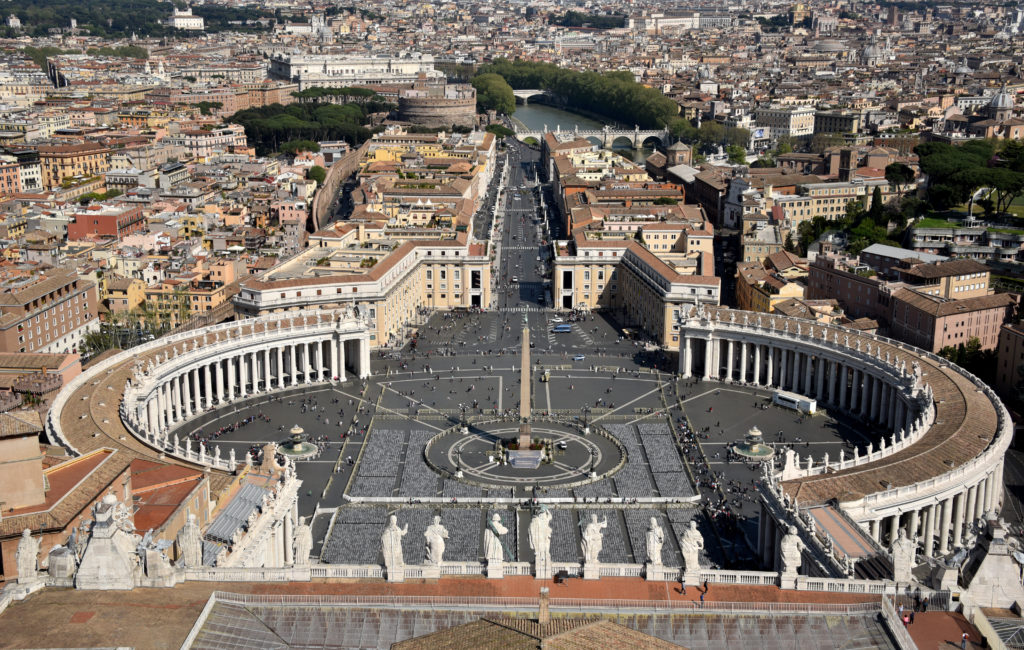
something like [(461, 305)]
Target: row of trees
[(578, 19), (348, 95), (269, 128), (612, 94), (956, 173)]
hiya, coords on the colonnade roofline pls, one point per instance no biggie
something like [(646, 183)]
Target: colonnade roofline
[(871, 377), (113, 402)]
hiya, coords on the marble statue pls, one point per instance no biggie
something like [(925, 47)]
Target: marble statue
[(540, 542), (28, 550), (592, 539), (303, 542), (655, 541), (903, 553), (691, 545), (435, 535), (190, 544), (790, 549), (493, 550), (391, 546)]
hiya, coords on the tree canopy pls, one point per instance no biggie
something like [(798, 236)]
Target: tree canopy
[(317, 173), (494, 93), (268, 128), (578, 19), (956, 173)]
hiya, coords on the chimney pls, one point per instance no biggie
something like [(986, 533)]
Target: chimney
[(543, 616)]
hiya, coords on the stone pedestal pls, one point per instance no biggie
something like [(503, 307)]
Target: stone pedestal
[(495, 569), (591, 571), (542, 570), (61, 565), (653, 571), (943, 577), (395, 574), (787, 580), (431, 571)]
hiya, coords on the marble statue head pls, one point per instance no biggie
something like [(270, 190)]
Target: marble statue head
[(654, 522), (437, 520)]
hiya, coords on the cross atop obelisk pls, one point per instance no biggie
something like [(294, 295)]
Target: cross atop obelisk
[(524, 389)]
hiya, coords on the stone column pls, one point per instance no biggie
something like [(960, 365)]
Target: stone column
[(873, 528), (844, 393), (833, 377), (728, 362), (997, 487), (819, 392), (295, 364), (928, 542), (958, 519), (175, 398), (687, 356), (783, 362), (281, 365), (243, 374), (883, 411), (231, 378), (187, 381), (972, 503), (364, 357), (743, 361), (207, 394), (876, 398), (979, 511), (865, 395), (947, 514), (151, 418), (307, 361), (318, 366), (770, 377), (341, 360), (757, 364), (894, 525), (989, 491), (288, 557), (912, 524), (266, 369), (809, 374), (708, 357), (854, 389)]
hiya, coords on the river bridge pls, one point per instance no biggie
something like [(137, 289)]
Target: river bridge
[(606, 137)]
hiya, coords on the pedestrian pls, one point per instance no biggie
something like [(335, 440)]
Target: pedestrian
[(924, 604), (963, 641), (911, 617), (702, 599), (705, 586), (906, 620), (682, 586)]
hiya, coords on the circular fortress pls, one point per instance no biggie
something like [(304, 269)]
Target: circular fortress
[(438, 106)]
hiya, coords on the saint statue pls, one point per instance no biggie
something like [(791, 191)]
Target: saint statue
[(540, 542), (391, 545), (435, 534), (655, 540), (790, 549), (493, 551), (28, 550), (190, 544), (691, 544), (904, 552), (303, 542), (592, 539)]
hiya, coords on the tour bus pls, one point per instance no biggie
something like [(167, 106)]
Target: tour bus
[(795, 402), (564, 328)]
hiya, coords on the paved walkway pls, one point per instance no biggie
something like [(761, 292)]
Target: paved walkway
[(65, 617)]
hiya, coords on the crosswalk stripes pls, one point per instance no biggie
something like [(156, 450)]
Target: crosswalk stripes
[(522, 309)]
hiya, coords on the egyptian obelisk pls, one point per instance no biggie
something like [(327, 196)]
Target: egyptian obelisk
[(524, 389)]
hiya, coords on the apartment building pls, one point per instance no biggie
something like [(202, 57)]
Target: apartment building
[(69, 160), (107, 220), (932, 323), (795, 122), (45, 310), (1010, 362)]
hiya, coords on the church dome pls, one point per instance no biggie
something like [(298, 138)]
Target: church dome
[(1002, 100)]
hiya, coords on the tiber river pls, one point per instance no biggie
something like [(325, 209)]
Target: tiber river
[(534, 116)]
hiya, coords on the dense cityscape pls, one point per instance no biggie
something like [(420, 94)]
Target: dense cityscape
[(533, 324)]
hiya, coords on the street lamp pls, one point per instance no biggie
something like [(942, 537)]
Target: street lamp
[(593, 463), (585, 410), (458, 463)]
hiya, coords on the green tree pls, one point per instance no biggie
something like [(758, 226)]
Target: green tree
[(500, 131), (899, 175), (494, 93), (784, 145), (318, 174), (789, 244), (737, 154), (877, 210)]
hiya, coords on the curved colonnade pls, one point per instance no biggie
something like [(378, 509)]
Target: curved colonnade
[(168, 381), (937, 470)]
